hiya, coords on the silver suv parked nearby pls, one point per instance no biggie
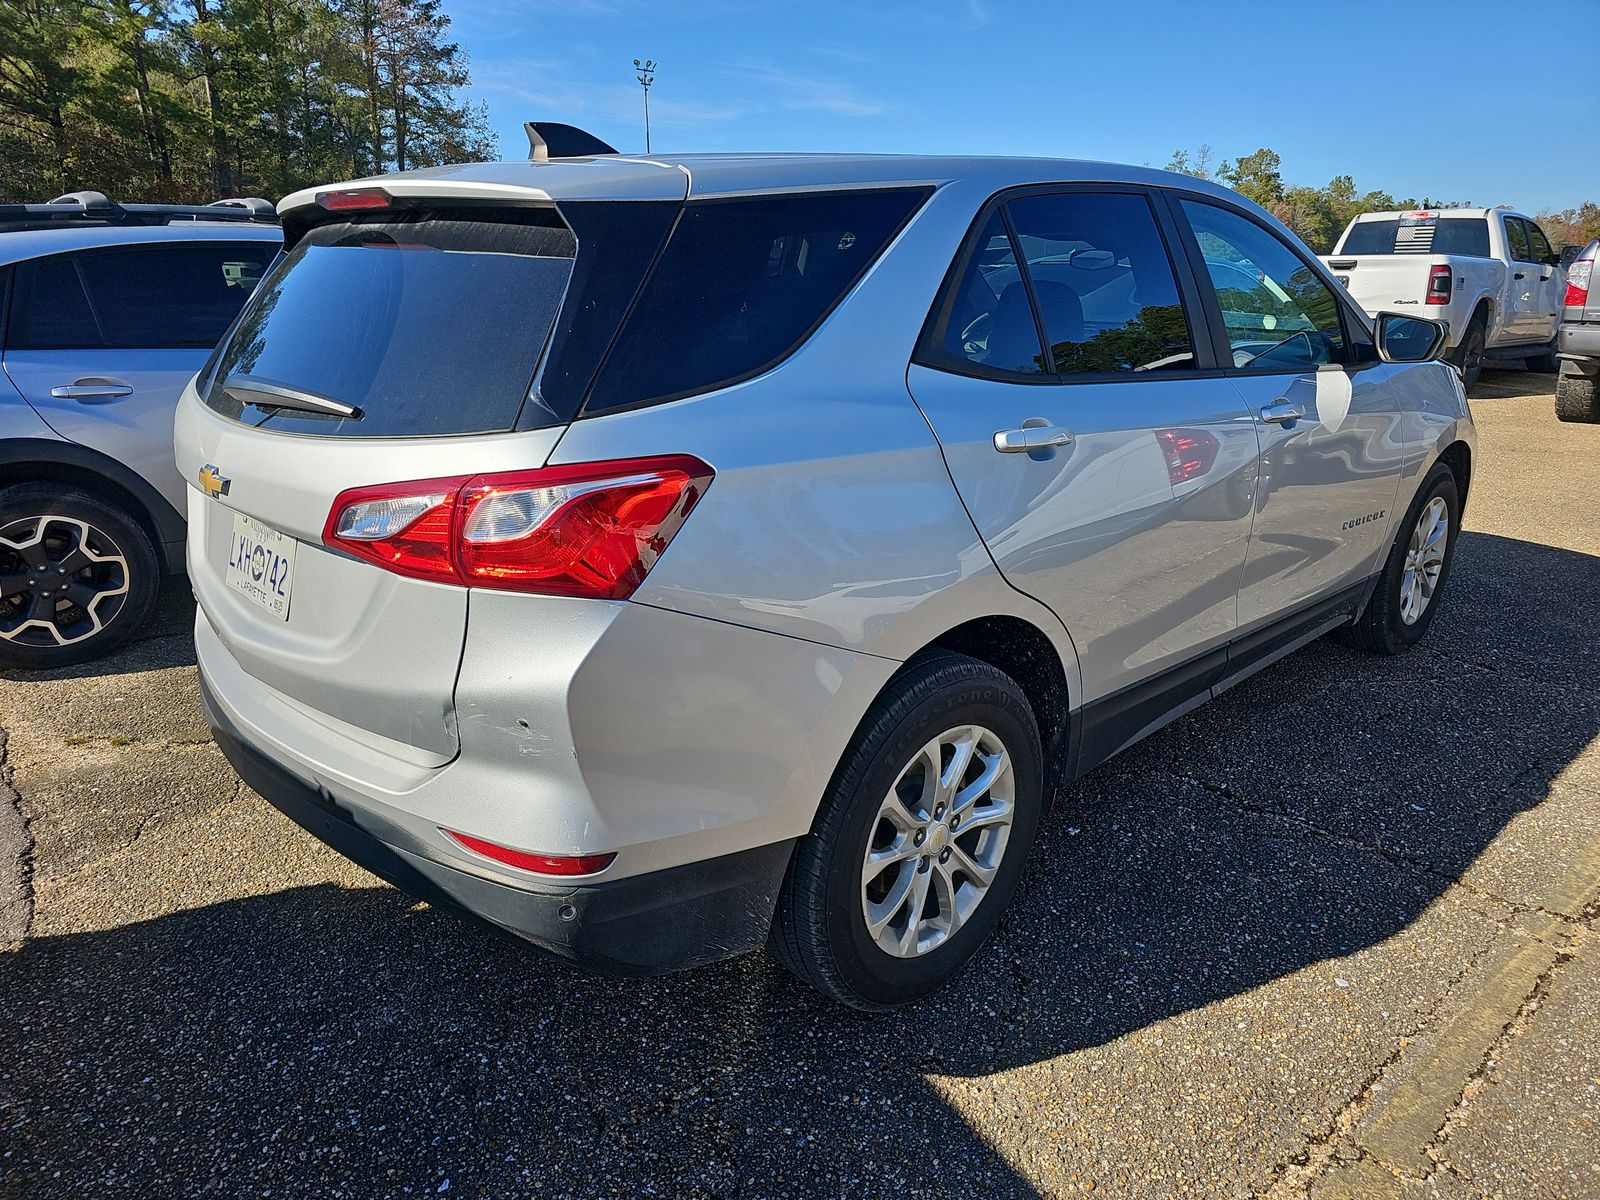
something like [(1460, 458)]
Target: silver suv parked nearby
[(664, 558), (106, 313)]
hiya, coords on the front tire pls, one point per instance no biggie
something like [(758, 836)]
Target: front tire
[(78, 577), (921, 838), (1406, 598)]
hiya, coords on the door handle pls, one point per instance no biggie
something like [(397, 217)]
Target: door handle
[(1030, 438), (1518, 275), (1282, 412), (92, 389)]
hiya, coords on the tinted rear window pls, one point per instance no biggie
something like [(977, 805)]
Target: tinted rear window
[(175, 296), (740, 284), (1465, 236), (429, 322), (51, 310)]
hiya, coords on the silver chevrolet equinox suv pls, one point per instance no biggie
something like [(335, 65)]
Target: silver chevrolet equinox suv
[(663, 558)]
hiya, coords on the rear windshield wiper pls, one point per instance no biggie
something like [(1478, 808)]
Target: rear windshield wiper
[(261, 394)]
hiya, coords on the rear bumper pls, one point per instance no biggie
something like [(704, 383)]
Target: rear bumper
[(648, 924), (1579, 342)]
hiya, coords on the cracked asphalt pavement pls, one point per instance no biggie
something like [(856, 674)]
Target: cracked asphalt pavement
[(1332, 935)]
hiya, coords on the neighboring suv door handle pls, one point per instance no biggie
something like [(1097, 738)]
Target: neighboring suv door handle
[(1282, 413), (1031, 437), (1519, 275), (92, 389)]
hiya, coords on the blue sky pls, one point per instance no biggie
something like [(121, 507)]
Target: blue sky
[(1418, 98)]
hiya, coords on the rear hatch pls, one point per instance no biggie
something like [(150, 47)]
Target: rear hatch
[(404, 335)]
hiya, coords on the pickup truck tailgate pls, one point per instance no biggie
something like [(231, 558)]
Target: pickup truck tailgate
[(1387, 282)]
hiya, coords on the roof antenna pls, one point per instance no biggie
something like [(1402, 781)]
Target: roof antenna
[(552, 139)]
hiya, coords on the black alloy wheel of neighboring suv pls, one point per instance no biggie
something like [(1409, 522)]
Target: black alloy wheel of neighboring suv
[(77, 576)]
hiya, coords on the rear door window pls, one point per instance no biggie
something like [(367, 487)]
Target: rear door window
[(51, 310), (178, 296), (172, 296), (1092, 265), (1539, 243), (1103, 283), (986, 324), (429, 322), (740, 285), (1517, 236)]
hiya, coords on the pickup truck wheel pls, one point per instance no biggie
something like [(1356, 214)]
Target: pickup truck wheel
[(1545, 362), (921, 838), (1576, 399), (1469, 354), (77, 576)]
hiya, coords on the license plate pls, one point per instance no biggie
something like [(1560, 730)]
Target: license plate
[(261, 565)]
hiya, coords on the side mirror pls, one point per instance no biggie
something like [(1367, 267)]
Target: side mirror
[(1406, 339), (1552, 259)]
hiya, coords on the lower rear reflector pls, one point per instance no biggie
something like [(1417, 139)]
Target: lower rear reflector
[(540, 864)]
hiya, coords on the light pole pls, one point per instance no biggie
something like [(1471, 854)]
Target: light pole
[(645, 73)]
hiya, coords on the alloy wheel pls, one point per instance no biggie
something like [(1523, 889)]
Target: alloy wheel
[(61, 581), (937, 841), (1424, 560)]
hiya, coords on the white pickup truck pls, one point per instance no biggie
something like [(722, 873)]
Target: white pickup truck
[(1488, 273)]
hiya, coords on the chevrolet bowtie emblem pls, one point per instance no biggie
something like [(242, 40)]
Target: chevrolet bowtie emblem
[(213, 481)]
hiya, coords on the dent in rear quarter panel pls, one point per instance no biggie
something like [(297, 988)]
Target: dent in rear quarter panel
[(704, 738), (591, 725)]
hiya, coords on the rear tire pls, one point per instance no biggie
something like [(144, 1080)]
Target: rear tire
[(1406, 597), (78, 577), (1577, 400), (1469, 354), (886, 898)]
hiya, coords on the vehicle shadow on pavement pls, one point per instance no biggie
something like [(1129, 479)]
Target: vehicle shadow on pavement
[(1510, 381), (348, 1042)]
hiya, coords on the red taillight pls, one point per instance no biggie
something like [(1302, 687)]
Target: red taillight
[(354, 198), (1190, 453), (543, 864), (1578, 283), (590, 529), (403, 527), (1440, 282)]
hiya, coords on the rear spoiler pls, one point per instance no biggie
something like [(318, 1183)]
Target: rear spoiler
[(93, 208)]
